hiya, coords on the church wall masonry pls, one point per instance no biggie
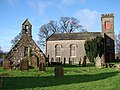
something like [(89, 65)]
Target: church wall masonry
[(65, 49)]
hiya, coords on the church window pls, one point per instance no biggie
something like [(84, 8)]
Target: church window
[(26, 28), (107, 25), (58, 50), (73, 50), (26, 51), (58, 53)]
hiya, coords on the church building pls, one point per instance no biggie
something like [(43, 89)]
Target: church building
[(70, 46), (26, 47)]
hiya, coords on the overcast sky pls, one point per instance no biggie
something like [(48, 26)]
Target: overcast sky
[(39, 12)]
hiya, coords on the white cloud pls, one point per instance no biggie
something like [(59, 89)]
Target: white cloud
[(40, 6), (90, 19)]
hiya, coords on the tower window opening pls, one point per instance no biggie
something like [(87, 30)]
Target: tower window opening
[(26, 28), (107, 25)]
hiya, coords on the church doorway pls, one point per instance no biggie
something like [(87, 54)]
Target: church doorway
[(107, 58)]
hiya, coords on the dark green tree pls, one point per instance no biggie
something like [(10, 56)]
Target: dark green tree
[(94, 47)]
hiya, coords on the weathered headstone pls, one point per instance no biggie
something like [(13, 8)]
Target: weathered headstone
[(42, 64), (24, 64), (80, 62), (64, 61), (6, 65), (98, 63), (84, 61), (58, 72), (70, 62), (34, 62)]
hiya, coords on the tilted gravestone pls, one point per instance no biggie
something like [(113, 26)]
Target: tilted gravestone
[(98, 63), (6, 65), (84, 61), (42, 64), (58, 72), (24, 64)]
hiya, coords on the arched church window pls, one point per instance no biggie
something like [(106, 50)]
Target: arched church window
[(58, 52), (73, 50)]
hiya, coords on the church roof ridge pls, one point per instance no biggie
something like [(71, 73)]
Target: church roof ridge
[(73, 36)]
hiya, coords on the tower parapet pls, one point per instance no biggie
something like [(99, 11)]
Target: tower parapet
[(107, 15)]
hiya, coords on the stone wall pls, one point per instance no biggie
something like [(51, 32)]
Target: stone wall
[(65, 50)]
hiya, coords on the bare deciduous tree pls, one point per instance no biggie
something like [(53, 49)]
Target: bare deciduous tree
[(65, 25), (16, 39), (70, 24), (1, 52), (46, 30)]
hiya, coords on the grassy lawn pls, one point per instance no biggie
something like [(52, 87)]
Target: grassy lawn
[(75, 78)]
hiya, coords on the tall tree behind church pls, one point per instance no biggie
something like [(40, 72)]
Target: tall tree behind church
[(46, 30), (69, 24), (64, 25), (16, 39)]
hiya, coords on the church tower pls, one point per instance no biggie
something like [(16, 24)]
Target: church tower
[(27, 28), (107, 21)]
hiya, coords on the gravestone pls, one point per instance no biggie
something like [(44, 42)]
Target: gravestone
[(58, 72), (70, 62), (64, 61), (84, 61), (42, 64), (24, 64), (6, 65), (98, 63), (34, 61)]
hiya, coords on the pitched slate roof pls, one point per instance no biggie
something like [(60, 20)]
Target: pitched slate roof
[(74, 36)]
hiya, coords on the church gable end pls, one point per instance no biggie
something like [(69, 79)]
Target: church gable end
[(25, 47)]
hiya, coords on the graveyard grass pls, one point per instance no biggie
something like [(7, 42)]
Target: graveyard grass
[(75, 78)]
